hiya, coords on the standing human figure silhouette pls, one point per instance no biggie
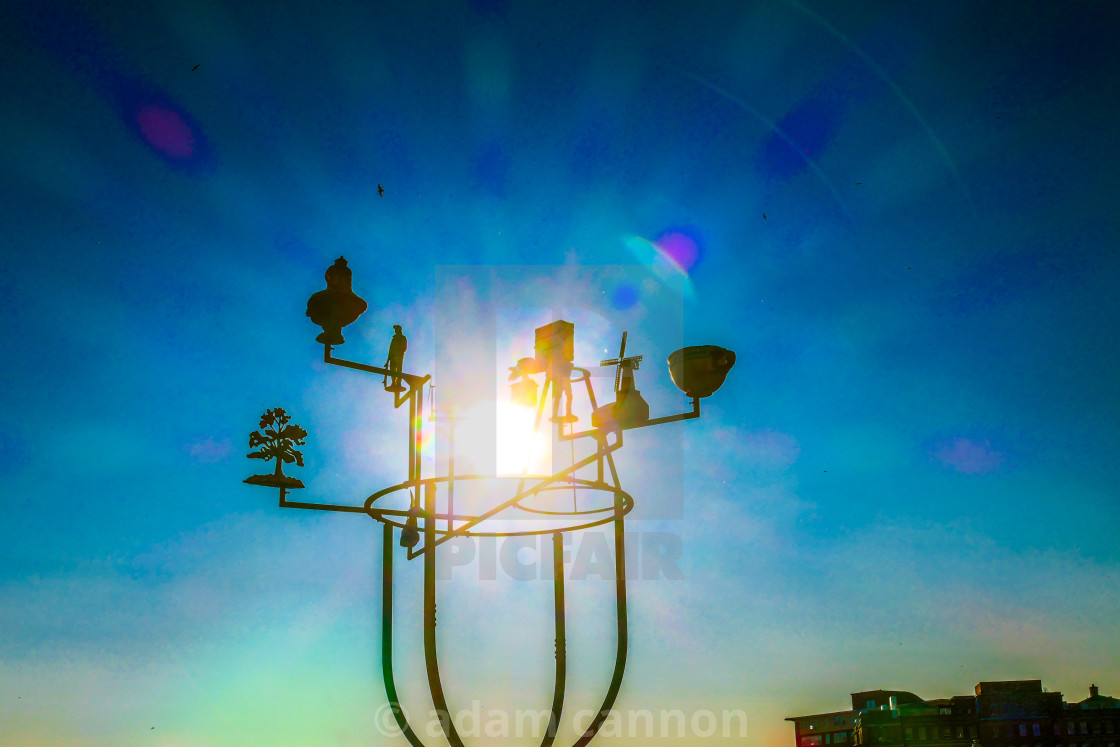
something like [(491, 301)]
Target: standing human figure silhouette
[(395, 361)]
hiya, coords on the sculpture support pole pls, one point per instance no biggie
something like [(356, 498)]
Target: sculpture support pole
[(413, 472), (561, 639), (417, 396), (450, 476), (620, 604), (435, 685), (387, 636), (429, 638)]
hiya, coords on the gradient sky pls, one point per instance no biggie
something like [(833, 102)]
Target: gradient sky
[(897, 214)]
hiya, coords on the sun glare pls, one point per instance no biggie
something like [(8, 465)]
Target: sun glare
[(497, 438), (520, 448)]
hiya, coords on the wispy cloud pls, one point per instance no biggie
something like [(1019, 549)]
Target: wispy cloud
[(731, 452), (770, 449), (968, 456), (209, 450)]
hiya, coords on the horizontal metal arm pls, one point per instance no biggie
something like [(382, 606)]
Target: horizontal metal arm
[(671, 418), (284, 503), (412, 379), (600, 433), (323, 506)]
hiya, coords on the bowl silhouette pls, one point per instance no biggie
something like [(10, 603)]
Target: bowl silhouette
[(699, 370)]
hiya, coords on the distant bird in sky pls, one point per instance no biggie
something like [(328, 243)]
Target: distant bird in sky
[(192, 70), (764, 216), (380, 191)]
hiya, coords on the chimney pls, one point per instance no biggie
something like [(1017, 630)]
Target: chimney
[(1092, 691)]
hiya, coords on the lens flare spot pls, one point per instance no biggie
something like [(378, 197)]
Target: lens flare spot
[(681, 249), (166, 131), (426, 438), (659, 264)]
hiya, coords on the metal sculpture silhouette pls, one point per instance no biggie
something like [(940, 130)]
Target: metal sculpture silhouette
[(555, 349), (426, 524), (334, 308), (622, 362), (629, 407), (523, 388), (395, 360), (277, 440)]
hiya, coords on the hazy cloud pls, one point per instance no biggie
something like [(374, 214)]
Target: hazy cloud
[(209, 450), (968, 456)]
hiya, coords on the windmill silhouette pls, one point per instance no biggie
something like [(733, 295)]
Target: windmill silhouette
[(629, 408), (622, 362)]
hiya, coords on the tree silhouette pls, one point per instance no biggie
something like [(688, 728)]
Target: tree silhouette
[(277, 439)]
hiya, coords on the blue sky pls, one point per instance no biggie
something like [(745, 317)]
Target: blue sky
[(900, 217)]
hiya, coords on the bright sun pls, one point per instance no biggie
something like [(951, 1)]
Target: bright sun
[(520, 449), (498, 438)]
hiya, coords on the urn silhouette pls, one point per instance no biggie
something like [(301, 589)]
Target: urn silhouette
[(338, 305), (699, 370)]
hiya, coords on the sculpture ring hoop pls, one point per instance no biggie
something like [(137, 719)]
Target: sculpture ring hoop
[(585, 519), (627, 502)]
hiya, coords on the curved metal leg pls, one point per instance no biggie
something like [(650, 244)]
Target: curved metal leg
[(620, 654), (431, 660), (435, 684), (561, 639), (387, 636)]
